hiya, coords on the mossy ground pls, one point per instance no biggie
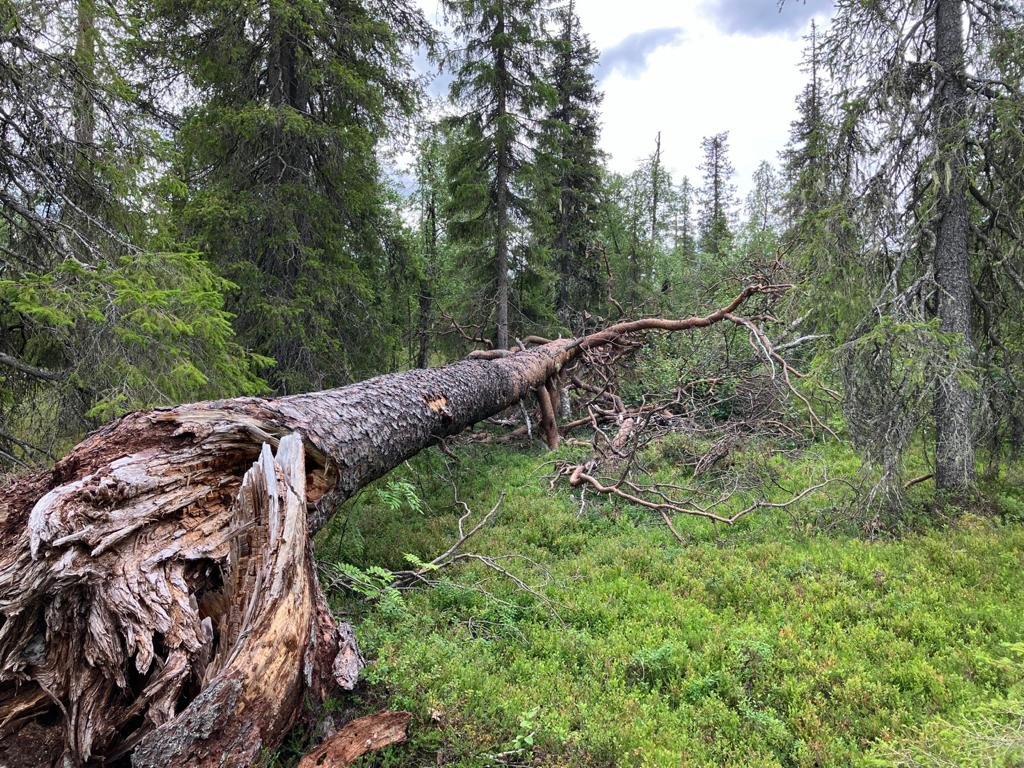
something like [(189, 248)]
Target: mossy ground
[(768, 643)]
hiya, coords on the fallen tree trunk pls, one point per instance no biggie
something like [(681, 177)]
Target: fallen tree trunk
[(157, 589)]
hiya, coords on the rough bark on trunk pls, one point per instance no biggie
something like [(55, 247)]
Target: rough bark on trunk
[(426, 298), (158, 595), (503, 173), (564, 264), (84, 188), (655, 185), (501, 248), (954, 456), (85, 61)]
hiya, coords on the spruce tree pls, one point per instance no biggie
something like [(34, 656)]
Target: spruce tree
[(279, 152), (499, 50), (631, 252), (717, 196), (429, 203), (820, 229), (569, 169), (684, 240), (996, 187), (657, 177), (100, 312), (922, 117), (764, 199), (805, 160)]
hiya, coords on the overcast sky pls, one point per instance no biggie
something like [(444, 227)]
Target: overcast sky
[(690, 68)]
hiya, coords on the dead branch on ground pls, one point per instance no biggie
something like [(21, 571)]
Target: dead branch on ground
[(367, 734)]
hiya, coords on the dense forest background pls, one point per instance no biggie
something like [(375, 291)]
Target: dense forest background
[(204, 199), (195, 205)]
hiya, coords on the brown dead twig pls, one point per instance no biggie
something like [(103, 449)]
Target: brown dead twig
[(425, 573), (918, 480), (759, 341), (461, 331), (659, 497), (619, 431), (450, 555)]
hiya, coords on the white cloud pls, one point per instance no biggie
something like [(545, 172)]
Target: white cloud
[(630, 56), (708, 80), (691, 68)]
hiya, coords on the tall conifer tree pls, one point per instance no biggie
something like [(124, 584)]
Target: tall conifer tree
[(279, 151), (764, 200), (927, 123), (717, 196), (684, 241), (500, 47), (100, 312), (569, 167)]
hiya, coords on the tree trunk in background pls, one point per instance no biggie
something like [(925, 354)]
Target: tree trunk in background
[(655, 184), (501, 248), (83, 189), (503, 173), (954, 455), (157, 588), (426, 298), (563, 264), (85, 61)]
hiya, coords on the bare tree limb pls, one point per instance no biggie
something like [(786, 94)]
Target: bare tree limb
[(30, 370)]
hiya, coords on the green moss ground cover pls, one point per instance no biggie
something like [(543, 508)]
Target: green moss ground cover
[(767, 643)]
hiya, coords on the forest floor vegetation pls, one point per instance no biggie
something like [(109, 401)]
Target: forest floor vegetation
[(772, 642)]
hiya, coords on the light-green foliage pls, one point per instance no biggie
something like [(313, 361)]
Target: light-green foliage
[(763, 644), (101, 309), (150, 329), (989, 734)]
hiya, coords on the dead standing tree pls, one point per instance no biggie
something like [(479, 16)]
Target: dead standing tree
[(158, 593)]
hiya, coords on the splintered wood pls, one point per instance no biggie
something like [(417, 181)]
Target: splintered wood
[(158, 596), (364, 735), (187, 578)]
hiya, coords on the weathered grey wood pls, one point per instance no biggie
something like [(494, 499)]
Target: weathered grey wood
[(254, 680), (157, 592)]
